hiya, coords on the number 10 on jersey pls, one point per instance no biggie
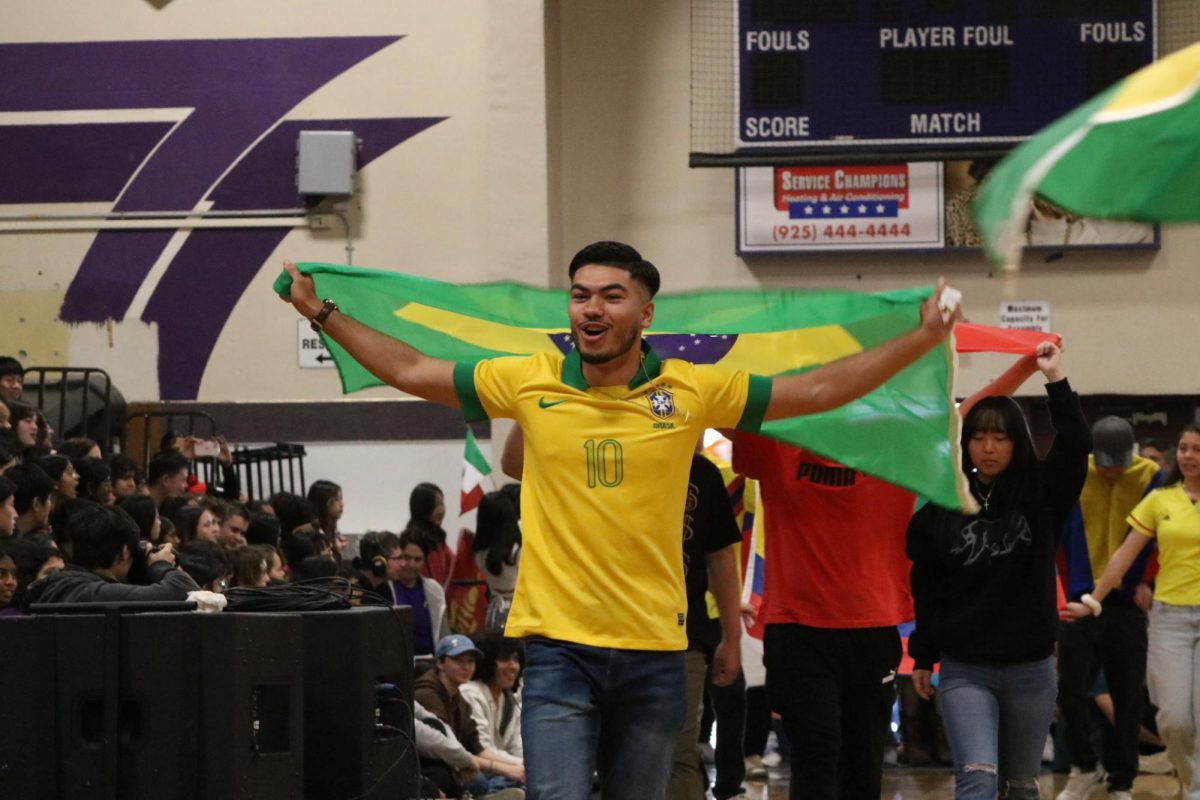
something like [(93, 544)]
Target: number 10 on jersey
[(605, 463)]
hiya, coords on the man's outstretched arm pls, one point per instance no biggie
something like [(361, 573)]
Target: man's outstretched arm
[(391, 360), (849, 378)]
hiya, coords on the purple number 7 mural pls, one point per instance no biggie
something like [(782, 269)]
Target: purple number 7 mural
[(225, 143)]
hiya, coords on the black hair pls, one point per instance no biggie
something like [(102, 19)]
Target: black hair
[(170, 507), (421, 503), (77, 447), (299, 546), (62, 514), (123, 466), (249, 565), (18, 411), (187, 522), (32, 483), (513, 492), (54, 465), (1174, 474), (206, 562), (292, 510), (413, 537), (99, 533), (170, 462), (10, 366), (1001, 415), (7, 489), (375, 544), (496, 646), (318, 497), (496, 531), (616, 254), (29, 554), (9, 447), (262, 529), (142, 509), (314, 567), (92, 473)]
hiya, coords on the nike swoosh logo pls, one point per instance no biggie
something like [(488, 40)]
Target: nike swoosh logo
[(544, 403)]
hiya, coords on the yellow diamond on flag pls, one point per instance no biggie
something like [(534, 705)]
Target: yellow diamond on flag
[(1158, 87)]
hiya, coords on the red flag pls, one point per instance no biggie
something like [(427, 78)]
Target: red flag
[(466, 593), (972, 338)]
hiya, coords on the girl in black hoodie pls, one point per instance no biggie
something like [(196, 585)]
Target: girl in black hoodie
[(984, 589)]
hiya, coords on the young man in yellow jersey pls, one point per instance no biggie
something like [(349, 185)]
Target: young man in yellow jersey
[(609, 433)]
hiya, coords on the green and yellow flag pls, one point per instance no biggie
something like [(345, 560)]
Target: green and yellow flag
[(905, 432), (1130, 153)]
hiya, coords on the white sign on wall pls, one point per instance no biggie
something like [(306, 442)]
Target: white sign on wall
[(310, 350), (847, 207), (1025, 315)]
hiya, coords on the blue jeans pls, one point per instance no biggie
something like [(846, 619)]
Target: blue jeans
[(1174, 659), (997, 717), (586, 708)]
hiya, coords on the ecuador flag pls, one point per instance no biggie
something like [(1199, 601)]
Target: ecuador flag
[(905, 432), (1130, 153)]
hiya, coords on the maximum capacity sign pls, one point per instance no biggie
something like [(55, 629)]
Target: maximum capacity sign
[(829, 77)]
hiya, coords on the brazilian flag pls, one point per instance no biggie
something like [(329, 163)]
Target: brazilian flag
[(905, 432)]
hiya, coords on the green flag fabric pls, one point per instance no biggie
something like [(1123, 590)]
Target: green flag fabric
[(1130, 153), (905, 432)]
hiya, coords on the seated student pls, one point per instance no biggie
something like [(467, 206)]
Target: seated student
[(141, 507), (313, 567), (262, 529), (95, 481), (250, 567), (294, 513), (12, 379), (127, 479), (232, 520), (166, 476), (379, 563), (194, 523), (446, 766), (23, 419), (207, 563), (36, 557), (104, 544), (425, 595), (80, 447), (62, 472), (491, 694), (32, 498), (276, 575), (8, 581), (8, 511), (438, 690)]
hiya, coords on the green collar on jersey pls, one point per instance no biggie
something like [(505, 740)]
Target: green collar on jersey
[(572, 369)]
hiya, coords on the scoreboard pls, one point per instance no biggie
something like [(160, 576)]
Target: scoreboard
[(830, 80)]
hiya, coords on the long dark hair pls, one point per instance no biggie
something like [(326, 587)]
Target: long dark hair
[(421, 503), (496, 531), (1001, 415), (496, 646), (1173, 474), (319, 495)]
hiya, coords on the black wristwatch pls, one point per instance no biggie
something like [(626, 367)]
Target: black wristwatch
[(318, 322)]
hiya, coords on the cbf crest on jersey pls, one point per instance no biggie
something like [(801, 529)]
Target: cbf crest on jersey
[(662, 403)]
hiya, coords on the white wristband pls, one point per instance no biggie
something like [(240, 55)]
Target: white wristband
[(1092, 603)]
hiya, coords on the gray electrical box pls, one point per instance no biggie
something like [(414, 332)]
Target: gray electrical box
[(326, 162)]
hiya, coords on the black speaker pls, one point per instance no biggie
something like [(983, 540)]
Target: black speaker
[(252, 706), (86, 665), (358, 723), (27, 735)]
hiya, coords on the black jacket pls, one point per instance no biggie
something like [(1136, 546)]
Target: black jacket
[(984, 585), (74, 584)]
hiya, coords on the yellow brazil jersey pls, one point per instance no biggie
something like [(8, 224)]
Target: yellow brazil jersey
[(603, 490), (1169, 516)]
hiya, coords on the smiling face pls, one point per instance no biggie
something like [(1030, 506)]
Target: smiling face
[(608, 311), (1187, 456), (27, 430), (458, 669), (207, 528), (508, 669)]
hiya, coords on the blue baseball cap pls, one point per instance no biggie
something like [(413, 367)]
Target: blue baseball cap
[(456, 645)]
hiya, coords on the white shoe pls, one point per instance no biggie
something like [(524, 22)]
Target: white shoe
[(1156, 764), (1081, 784), (1120, 795), (755, 771), (772, 759)]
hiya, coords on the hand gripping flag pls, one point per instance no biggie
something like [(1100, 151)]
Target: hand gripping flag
[(905, 432), (1130, 153)]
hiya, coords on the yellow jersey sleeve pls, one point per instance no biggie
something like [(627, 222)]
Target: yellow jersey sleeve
[(488, 389), (1144, 517), (732, 399)]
